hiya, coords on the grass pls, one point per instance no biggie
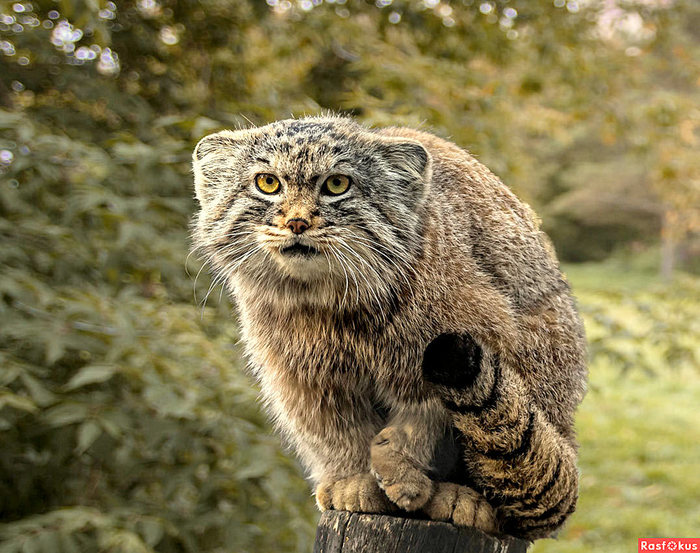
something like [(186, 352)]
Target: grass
[(639, 428)]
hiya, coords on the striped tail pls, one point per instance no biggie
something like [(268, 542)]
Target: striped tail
[(512, 454)]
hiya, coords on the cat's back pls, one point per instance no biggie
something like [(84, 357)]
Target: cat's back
[(450, 163), (462, 187)]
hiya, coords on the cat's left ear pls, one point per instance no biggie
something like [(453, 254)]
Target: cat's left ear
[(410, 166)]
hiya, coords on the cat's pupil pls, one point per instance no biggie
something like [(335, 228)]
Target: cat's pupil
[(336, 182), (269, 180)]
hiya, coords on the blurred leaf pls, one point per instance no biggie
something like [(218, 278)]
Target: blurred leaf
[(88, 432), (39, 393), (65, 413), (90, 374), (8, 399)]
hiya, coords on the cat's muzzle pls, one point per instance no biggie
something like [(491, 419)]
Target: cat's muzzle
[(298, 249)]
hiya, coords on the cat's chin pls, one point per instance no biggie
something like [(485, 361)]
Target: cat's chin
[(304, 267)]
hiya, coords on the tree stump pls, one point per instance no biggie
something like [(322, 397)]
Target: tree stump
[(344, 532)]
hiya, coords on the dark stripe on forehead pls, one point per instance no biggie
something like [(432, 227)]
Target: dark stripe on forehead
[(367, 161), (300, 155)]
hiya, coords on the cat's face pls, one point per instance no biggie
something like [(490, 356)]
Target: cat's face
[(314, 203)]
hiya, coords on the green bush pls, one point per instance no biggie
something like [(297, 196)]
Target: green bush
[(127, 424)]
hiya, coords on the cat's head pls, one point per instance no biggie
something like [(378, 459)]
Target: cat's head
[(311, 205)]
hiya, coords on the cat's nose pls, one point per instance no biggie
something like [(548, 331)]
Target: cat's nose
[(297, 225)]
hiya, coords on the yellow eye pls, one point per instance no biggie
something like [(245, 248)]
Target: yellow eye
[(336, 185), (267, 183)]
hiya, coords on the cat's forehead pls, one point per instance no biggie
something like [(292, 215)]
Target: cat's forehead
[(314, 128), (304, 148)]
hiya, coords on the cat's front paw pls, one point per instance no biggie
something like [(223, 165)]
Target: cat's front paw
[(398, 475), (359, 493), (461, 506)]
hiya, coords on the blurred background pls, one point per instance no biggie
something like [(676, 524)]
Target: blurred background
[(126, 422)]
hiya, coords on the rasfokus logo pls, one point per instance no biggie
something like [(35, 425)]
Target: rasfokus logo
[(669, 544)]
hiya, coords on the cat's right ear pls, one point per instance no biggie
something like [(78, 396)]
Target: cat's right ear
[(217, 142), (212, 159)]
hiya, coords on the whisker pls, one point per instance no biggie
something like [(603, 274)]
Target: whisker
[(342, 266), (392, 260), (352, 273), (372, 243), (187, 259), (328, 260), (371, 289), (213, 284), (194, 284), (245, 258)]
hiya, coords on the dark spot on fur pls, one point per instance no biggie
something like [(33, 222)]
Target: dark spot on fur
[(490, 401), (452, 360)]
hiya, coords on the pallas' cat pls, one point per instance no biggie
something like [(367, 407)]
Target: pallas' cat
[(406, 319)]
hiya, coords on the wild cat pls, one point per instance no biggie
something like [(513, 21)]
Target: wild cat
[(406, 319)]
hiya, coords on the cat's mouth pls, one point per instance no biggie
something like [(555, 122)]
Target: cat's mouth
[(299, 250)]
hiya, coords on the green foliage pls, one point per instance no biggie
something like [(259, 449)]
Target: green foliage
[(126, 421), (636, 324), (115, 394)]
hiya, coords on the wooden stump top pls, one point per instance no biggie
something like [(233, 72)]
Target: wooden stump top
[(344, 532)]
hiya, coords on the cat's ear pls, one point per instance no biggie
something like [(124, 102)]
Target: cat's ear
[(213, 157), (410, 165), (217, 142)]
